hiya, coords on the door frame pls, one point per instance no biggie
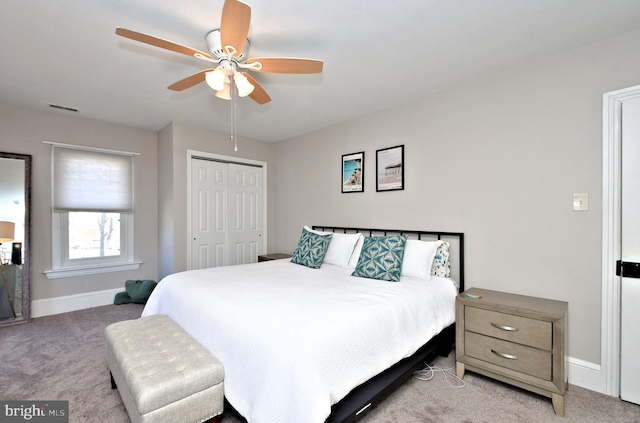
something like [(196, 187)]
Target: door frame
[(611, 235), (194, 154)]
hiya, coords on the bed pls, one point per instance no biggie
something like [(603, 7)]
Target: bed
[(309, 342)]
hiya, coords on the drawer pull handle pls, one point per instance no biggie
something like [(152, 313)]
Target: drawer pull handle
[(503, 327), (503, 355)]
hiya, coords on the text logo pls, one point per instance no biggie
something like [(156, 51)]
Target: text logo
[(34, 411)]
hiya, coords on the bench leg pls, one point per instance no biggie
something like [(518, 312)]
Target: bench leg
[(113, 382)]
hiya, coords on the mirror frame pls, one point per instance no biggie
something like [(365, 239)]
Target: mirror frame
[(26, 264)]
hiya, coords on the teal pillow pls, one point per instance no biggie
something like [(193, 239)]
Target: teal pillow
[(139, 290), (311, 249), (381, 258), (122, 298)]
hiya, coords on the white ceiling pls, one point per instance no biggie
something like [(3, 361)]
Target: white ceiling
[(376, 53)]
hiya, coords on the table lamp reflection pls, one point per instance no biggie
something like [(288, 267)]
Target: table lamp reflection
[(7, 234)]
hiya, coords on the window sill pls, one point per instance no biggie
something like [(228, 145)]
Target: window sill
[(68, 272)]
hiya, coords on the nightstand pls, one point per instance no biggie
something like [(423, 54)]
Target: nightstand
[(274, 256), (515, 339)]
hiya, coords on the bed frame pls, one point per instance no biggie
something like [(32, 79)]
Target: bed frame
[(367, 396)]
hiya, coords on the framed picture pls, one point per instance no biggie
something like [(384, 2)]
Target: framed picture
[(353, 172), (390, 168)]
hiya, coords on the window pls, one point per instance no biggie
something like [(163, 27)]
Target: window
[(92, 211), (93, 235)]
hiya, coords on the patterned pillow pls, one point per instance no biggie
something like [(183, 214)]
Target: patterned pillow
[(311, 249), (381, 258), (441, 266)]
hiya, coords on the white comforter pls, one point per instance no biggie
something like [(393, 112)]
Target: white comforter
[(295, 340)]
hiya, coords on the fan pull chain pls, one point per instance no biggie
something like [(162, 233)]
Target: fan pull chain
[(235, 122), (234, 126)]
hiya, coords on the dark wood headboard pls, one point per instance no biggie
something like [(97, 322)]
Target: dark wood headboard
[(455, 240)]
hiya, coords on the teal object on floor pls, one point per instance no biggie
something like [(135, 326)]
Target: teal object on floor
[(139, 290)]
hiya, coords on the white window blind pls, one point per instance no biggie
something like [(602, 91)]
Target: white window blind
[(86, 180)]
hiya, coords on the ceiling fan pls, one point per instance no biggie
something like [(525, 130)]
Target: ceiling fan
[(228, 48)]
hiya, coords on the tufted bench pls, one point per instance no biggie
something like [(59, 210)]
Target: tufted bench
[(162, 373)]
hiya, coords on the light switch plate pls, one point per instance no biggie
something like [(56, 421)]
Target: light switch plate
[(581, 202)]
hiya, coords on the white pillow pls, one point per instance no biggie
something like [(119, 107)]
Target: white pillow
[(353, 261), (418, 258), (340, 248)]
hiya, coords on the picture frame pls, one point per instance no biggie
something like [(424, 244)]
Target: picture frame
[(353, 172), (390, 169)]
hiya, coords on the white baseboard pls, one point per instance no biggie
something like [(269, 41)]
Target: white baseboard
[(586, 375), (57, 305)]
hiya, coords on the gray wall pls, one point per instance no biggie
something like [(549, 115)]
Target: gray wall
[(174, 141), (497, 157), (160, 189), (23, 131)]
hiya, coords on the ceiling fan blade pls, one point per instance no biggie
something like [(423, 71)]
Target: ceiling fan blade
[(287, 65), (159, 42), (259, 95), (190, 81), (234, 26)]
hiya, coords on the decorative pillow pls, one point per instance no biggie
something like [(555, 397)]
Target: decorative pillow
[(441, 265), (418, 258), (340, 247), (311, 249), (381, 258)]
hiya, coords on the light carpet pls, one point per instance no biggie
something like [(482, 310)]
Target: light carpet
[(62, 357)]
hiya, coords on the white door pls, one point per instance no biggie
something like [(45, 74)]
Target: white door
[(630, 253), (226, 213), (209, 204), (245, 213)]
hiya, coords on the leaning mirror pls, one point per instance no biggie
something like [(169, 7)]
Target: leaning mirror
[(15, 238)]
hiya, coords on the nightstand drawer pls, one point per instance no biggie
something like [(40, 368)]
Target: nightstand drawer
[(523, 359), (532, 332)]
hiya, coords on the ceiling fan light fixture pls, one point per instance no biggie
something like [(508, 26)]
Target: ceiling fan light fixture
[(228, 48), (224, 93), (242, 83), (216, 78)]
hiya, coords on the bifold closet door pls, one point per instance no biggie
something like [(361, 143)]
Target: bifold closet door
[(244, 193), (226, 213), (209, 204)]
